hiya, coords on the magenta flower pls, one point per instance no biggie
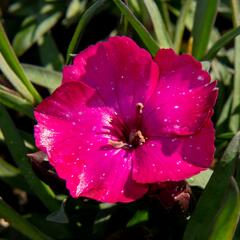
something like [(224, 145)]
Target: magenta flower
[(122, 120)]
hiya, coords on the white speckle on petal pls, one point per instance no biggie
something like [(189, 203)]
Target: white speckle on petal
[(176, 106)]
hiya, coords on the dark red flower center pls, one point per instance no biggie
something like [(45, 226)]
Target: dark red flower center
[(129, 138)]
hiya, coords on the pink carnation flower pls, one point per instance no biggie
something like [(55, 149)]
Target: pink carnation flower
[(121, 120)]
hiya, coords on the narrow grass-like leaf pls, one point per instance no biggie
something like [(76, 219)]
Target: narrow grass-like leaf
[(43, 77), (226, 221), (7, 170), (164, 8), (12, 176), (202, 221), (14, 79), (74, 10), (159, 26), (201, 179), (20, 223), (203, 22), (86, 17), (235, 118), (139, 217), (10, 99), (181, 25), (49, 53), (18, 151), (146, 37), (11, 59), (224, 40), (32, 29), (225, 113)]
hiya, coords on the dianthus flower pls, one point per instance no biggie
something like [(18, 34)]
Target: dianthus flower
[(121, 120)]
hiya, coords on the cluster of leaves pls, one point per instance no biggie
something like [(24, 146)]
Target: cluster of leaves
[(206, 29)]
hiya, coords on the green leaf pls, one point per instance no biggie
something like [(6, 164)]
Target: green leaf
[(59, 216), (201, 179), (14, 80), (181, 22), (225, 113), (146, 37), (164, 8), (33, 28), (20, 223), (12, 61), (12, 176), (159, 26), (226, 221), (12, 100), (18, 151), (74, 10), (86, 17), (205, 215), (139, 217), (223, 41), (203, 22), (50, 56), (43, 77), (235, 117), (57, 231), (7, 170)]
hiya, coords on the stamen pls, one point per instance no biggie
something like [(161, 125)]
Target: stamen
[(118, 144), (136, 138), (139, 107)]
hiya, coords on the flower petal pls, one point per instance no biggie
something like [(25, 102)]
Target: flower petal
[(122, 73), (183, 99), (174, 159), (180, 71), (73, 130)]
